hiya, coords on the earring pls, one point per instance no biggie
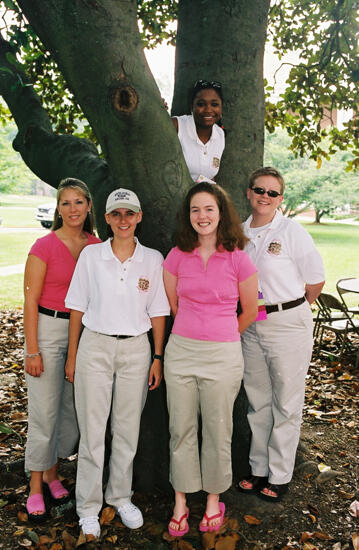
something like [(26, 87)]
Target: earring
[(60, 216)]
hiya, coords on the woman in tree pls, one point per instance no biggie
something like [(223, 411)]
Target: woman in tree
[(52, 429), (117, 293), (201, 138), (205, 275), (277, 350)]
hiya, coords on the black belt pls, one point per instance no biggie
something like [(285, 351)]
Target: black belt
[(54, 313), (120, 336), (286, 305)]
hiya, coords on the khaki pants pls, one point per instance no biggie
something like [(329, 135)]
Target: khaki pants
[(108, 370), (201, 377), (276, 354), (52, 430)]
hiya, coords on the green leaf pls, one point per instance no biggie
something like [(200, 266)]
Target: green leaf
[(6, 70), (6, 429)]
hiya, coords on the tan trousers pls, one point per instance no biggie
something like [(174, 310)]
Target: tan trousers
[(201, 377), (108, 370), (276, 353), (52, 430)]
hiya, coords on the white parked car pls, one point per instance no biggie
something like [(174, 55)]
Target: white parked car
[(45, 214)]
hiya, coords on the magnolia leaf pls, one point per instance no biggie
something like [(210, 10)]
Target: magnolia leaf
[(107, 515), (252, 520)]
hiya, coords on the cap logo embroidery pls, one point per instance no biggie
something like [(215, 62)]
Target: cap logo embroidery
[(143, 284), (121, 195), (274, 248)]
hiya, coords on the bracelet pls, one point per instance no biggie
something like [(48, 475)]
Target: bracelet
[(157, 356), (31, 355)]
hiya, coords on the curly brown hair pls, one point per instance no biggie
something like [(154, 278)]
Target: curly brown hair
[(229, 232)]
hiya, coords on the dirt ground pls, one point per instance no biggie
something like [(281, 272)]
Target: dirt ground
[(313, 515)]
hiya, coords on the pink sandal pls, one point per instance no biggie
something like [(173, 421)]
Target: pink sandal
[(178, 532), (57, 491), (210, 528), (35, 503)]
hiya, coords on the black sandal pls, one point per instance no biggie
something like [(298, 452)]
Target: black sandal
[(256, 482), (279, 491)]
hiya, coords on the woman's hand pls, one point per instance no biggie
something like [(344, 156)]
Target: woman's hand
[(70, 370), (34, 365), (155, 376)]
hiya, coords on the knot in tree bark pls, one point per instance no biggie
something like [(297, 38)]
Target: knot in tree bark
[(125, 99)]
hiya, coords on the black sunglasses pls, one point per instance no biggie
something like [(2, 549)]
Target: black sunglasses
[(207, 84), (261, 191)]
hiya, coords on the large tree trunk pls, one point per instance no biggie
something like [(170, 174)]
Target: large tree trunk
[(223, 40), (98, 49)]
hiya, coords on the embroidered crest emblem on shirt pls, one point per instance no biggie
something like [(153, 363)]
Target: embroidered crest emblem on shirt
[(215, 162), (274, 248), (143, 284)]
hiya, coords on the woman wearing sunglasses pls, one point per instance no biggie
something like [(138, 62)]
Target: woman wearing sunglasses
[(202, 139), (277, 349)]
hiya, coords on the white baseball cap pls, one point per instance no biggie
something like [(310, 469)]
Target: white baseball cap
[(122, 198)]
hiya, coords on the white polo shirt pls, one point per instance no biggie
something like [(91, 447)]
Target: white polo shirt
[(201, 158), (118, 298), (286, 258)]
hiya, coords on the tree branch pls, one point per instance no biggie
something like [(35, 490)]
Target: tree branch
[(65, 155)]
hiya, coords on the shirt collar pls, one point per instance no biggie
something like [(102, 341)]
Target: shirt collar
[(107, 252), (220, 252), (194, 136), (278, 216)]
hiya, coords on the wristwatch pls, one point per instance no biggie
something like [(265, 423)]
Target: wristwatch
[(157, 356)]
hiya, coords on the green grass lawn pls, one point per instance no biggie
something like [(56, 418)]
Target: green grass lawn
[(339, 247), (338, 244), (19, 210), (15, 246)]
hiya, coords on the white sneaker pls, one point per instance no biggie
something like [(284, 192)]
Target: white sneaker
[(90, 526), (130, 515)]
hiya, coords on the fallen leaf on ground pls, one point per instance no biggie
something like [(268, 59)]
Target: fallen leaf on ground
[(107, 515), (252, 520), (208, 541), (226, 543), (22, 516), (343, 494), (184, 545), (355, 541), (354, 509), (69, 540)]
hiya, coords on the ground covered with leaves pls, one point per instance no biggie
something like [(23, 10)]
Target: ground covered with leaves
[(319, 512)]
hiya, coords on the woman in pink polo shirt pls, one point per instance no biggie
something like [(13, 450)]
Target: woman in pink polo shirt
[(52, 428), (205, 275)]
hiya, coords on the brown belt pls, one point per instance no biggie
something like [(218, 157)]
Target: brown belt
[(286, 305)]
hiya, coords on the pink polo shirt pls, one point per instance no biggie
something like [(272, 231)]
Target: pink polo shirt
[(207, 298), (60, 265)]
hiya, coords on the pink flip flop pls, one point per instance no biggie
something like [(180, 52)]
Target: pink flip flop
[(57, 491), (205, 528), (178, 533), (35, 503)]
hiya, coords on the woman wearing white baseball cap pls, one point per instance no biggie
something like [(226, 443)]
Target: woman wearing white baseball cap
[(117, 293)]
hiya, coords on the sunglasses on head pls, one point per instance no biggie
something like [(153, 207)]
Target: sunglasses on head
[(260, 191), (208, 84)]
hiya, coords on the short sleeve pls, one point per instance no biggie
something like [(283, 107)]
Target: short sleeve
[(172, 261), (243, 265), (306, 256), (41, 248)]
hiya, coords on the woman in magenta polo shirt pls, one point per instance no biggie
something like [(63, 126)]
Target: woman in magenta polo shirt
[(205, 275), (52, 427)]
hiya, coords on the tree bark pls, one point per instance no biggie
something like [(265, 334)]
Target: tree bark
[(223, 40), (98, 49)]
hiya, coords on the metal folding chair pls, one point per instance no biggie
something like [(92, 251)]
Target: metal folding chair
[(330, 308), (341, 291)]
